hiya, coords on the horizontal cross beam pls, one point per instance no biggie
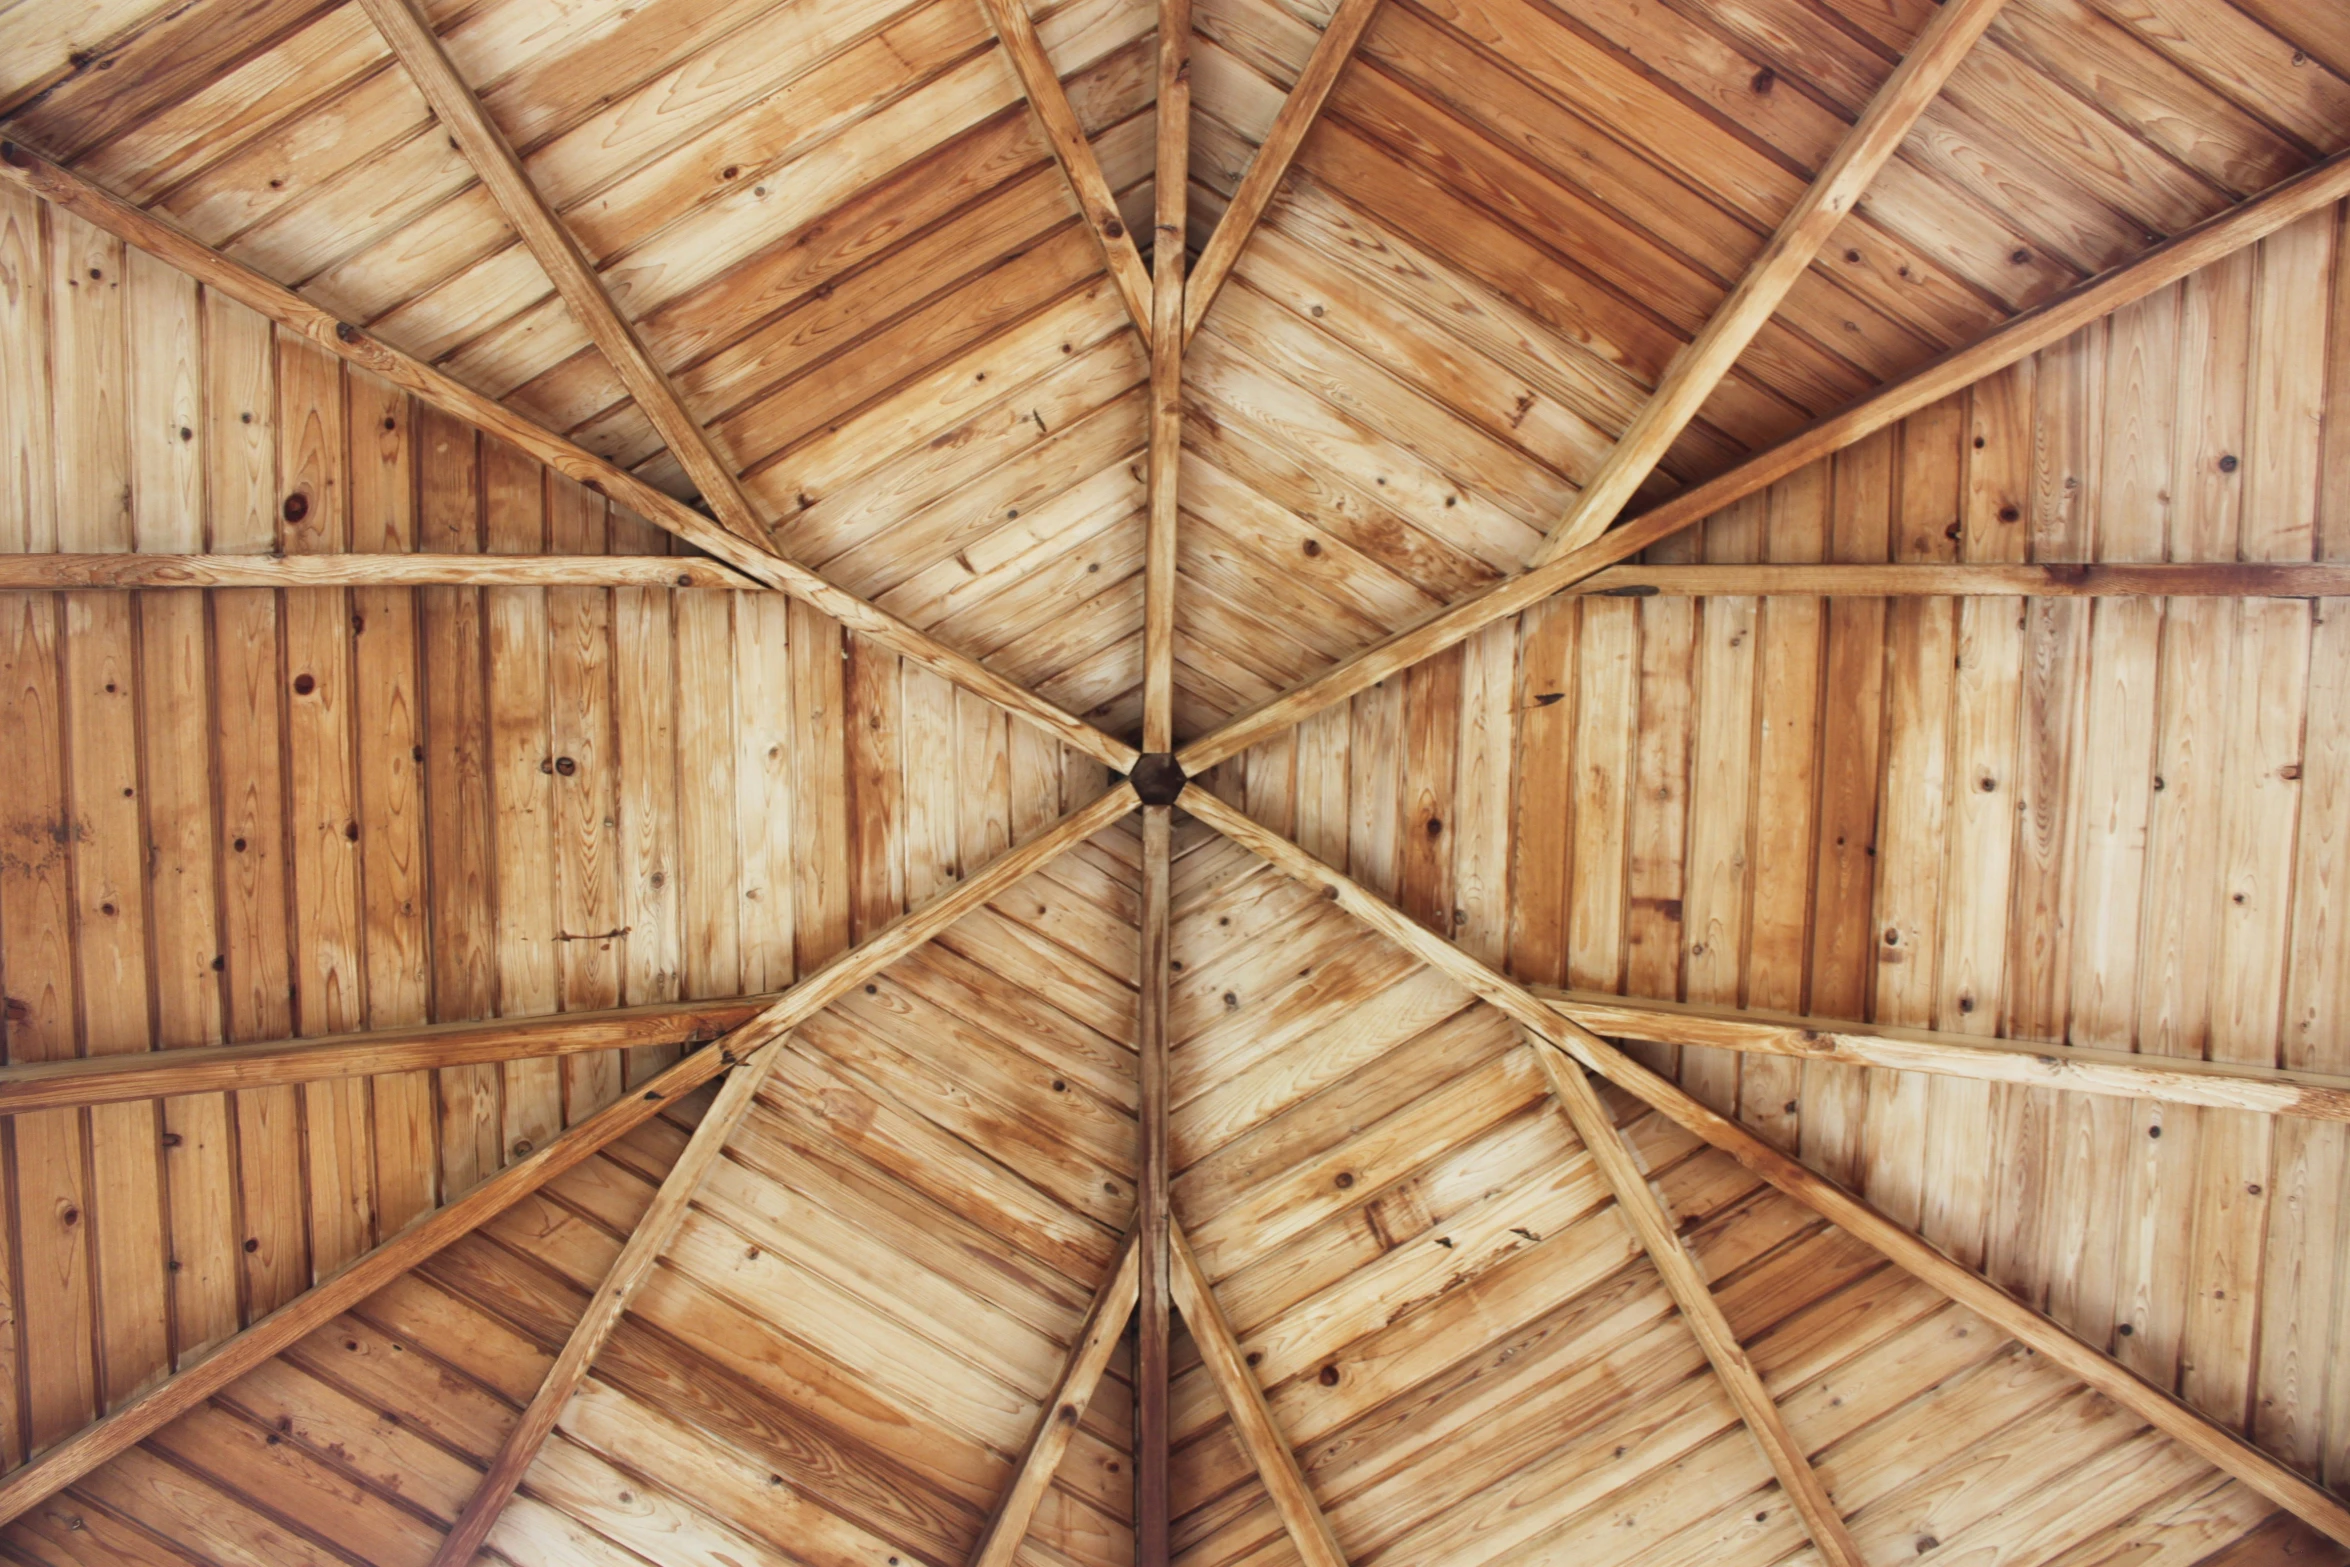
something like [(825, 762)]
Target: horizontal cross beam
[(76, 572)]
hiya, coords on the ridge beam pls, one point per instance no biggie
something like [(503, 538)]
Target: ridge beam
[(1275, 154), (1276, 1462), (166, 242), (629, 1270), (1645, 1212), (428, 1235), (1056, 1423), (1698, 368), (418, 48), (1049, 101), (1904, 1248), (2318, 186)]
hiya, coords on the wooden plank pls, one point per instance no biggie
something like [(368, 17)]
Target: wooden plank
[(364, 571), (2159, 267), (418, 48), (1154, 1219), (132, 1423), (1056, 1426), (1244, 1399), (89, 1080), (1644, 1211), (2051, 580), (1824, 205), (1097, 204), (2213, 1443), (1274, 155), (29, 171), (654, 1230), (2122, 1074)]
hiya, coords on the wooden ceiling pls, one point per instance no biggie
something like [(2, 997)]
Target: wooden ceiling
[(1617, 830)]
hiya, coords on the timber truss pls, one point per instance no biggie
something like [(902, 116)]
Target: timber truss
[(1155, 1272)]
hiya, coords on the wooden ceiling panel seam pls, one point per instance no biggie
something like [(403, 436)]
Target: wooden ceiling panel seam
[(169, 244)]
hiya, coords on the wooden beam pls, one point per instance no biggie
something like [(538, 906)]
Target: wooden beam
[(64, 188), (212, 1069), (1645, 1212), (2319, 186), (2221, 1085), (2208, 1440), (1154, 1218), (1252, 1418), (628, 1273), (1172, 192), (1056, 1423), (1279, 149), (418, 48), (149, 1412), (2220, 579), (1096, 202), (367, 571), (1697, 369)]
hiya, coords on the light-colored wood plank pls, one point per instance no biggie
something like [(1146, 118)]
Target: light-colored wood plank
[(1644, 1211), (418, 48), (2210, 1441), (1089, 1357), (653, 1232), (363, 571), (2157, 268), (158, 238), (1048, 100), (134, 1421), (1274, 155), (1825, 204), (1244, 1399)]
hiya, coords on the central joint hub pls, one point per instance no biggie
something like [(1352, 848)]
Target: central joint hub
[(1157, 778)]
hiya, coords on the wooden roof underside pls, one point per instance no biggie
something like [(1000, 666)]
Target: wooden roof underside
[(579, 586)]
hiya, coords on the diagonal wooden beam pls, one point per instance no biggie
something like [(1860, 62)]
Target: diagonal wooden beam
[(629, 1270), (366, 571), (167, 243), (2319, 186), (1056, 1423), (69, 1460), (1049, 101), (1276, 1463), (1274, 155), (418, 48), (1699, 368), (2197, 1432), (2221, 1085), (1645, 1212)]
